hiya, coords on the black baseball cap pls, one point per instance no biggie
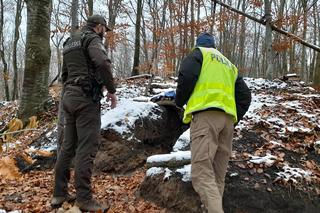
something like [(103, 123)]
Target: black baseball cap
[(98, 19)]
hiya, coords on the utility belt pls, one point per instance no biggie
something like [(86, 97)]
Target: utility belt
[(89, 86)]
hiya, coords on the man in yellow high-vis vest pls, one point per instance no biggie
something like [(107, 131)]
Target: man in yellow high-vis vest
[(216, 98)]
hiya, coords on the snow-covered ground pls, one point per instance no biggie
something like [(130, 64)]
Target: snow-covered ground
[(264, 110), (133, 105), (262, 99)]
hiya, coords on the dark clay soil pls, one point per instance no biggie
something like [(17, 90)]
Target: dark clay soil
[(247, 192)]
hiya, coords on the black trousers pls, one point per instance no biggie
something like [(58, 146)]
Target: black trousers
[(81, 141)]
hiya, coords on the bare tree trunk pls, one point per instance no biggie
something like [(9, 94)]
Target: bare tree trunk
[(242, 39), (90, 7), (35, 83), (303, 71), (145, 45), (74, 15), (268, 40), (192, 25), (316, 79), (185, 29), (173, 47), (283, 64), (213, 13), (15, 44), (5, 73), (294, 27), (136, 61), (55, 36), (113, 9), (316, 26), (198, 16)]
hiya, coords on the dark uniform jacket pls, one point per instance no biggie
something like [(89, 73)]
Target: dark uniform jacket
[(85, 56), (188, 75)]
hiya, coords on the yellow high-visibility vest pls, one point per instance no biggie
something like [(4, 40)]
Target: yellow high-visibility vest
[(215, 86)]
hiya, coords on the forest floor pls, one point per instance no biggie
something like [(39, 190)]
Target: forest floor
[(276, 149), (31, 191)]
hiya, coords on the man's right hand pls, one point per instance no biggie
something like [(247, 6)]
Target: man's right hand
[(113, 99)]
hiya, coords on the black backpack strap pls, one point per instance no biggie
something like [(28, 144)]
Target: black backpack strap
[(86, 39)]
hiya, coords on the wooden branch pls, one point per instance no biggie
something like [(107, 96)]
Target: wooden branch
[(55, 78), (162, 86), (139, 76), (290, 35), (173, 163), (22, 130)]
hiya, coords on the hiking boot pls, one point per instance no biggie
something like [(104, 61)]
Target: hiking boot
[(56, 202), (91, 205)]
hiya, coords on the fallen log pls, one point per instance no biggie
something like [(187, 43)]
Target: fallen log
[(147, 76), (173, 160), (162, 86)]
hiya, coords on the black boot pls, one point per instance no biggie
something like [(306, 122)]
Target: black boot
[(91, 205)]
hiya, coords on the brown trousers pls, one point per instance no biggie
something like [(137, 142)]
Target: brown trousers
[(211, 146), (81, 141)]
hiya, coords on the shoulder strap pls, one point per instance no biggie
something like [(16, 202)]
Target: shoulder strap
[(66, 41), (86, 38)]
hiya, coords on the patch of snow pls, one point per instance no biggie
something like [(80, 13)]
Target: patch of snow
[(258, 100), (5, 103), (173, 85), (317, 143), (182, 142), (126, 92), (185, 172), (10, 145), (50, 141), (154, 171), (276, 143), (291, 104), (158, 78), (307, 95), (15, 211), (268, 159), (180, 155), (122, 118), (290, 173), (260, 83), (141, 99), (49, 134), (277, 121), (282, 85), (159, 170), (304, 114), (234, 174), (167, 174), (292, 75), (298, 129), (162, 91)]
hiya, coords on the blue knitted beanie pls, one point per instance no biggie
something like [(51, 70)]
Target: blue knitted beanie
[(205, 40)]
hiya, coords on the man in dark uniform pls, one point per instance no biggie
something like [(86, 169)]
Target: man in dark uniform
[(86, 72)]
